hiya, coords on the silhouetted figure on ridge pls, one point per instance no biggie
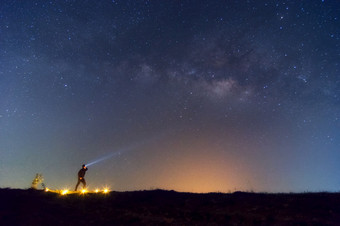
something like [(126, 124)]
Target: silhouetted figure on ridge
[(81, 178)]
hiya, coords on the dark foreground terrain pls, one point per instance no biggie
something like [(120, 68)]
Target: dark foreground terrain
[(158, 207)]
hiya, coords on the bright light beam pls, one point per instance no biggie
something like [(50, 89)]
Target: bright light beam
[(103, 158), (122, 151)]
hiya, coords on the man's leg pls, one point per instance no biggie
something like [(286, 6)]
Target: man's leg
[(77, 185), (84, 183)]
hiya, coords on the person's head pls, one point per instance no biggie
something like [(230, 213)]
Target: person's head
[(84, 166)]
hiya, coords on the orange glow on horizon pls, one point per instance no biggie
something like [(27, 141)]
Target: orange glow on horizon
[(202, 173)]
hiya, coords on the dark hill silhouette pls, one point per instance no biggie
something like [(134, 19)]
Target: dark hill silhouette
[(159, 207)]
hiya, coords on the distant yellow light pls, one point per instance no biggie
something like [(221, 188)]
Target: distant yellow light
[(64, 192), (46, 189), (97, 190), (106, 190), (83, 191)]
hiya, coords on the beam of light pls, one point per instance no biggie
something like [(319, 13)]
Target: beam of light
[(123, 150), (110, 155)]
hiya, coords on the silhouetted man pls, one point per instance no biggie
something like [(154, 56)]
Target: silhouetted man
[(81, 178)]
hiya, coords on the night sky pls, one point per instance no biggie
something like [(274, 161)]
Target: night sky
[(197, 96)]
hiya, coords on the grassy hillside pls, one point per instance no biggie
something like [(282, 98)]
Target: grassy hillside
[(29, 207)]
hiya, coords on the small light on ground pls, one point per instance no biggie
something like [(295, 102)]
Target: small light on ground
[(46, 189), (97, 190), (83, 191), (106, 190), (64, 192)]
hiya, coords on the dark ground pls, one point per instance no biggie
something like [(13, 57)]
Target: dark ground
[(158, 207)]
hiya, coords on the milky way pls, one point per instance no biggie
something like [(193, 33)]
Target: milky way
[(245, 94)]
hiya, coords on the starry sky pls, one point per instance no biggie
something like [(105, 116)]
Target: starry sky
[(196, 96)]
